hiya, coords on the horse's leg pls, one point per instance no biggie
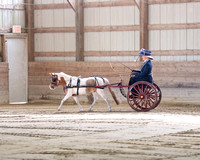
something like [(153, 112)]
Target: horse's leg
[(64, 99), (102, 94), (95, 97), (77, 101)]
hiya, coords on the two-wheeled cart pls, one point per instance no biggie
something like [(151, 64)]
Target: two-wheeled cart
[(141, 96)]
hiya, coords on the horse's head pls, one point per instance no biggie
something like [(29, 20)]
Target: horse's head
[(54, 81)]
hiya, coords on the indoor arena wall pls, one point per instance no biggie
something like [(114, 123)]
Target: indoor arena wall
[(174, 31), (111, 34), (111, 30), (178, 76)]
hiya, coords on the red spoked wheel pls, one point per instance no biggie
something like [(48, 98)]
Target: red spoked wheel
[(142, 96), (159, 93)]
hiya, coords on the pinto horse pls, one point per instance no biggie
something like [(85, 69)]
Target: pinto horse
[(74, 86)]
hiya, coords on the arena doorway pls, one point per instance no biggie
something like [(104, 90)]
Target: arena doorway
[(17, 55)]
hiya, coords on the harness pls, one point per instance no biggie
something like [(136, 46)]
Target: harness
[(70, 82), (78, 84), (96, 81)]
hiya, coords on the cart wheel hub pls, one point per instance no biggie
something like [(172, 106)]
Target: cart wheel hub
[(142, 96)]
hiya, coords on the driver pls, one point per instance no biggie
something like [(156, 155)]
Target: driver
[(145, 74)]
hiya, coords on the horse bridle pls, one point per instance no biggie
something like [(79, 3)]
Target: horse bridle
[(54, 80)]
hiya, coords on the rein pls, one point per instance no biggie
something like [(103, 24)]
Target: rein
[(99, 87)]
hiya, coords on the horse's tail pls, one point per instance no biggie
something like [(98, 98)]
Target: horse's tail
[(114, 96), (112, 93)]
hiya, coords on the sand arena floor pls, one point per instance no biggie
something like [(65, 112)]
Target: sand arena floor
[(38, 131)]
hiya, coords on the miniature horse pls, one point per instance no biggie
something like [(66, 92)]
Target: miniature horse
[(74, 86)]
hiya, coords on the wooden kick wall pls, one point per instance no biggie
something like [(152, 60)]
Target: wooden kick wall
[(4, 92)]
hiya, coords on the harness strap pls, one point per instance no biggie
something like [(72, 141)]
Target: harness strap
[(96, 81), (70, 82), (70, 85), (78, 86), (103, 79), (66, 87)]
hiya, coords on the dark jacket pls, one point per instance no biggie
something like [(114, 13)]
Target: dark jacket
[(145, 74)]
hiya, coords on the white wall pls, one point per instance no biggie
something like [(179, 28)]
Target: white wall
[(179, 39), (54, 42), (94, 41), (8, 18), (159, 40), (49, 1), (178, 13), (116, 40)]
